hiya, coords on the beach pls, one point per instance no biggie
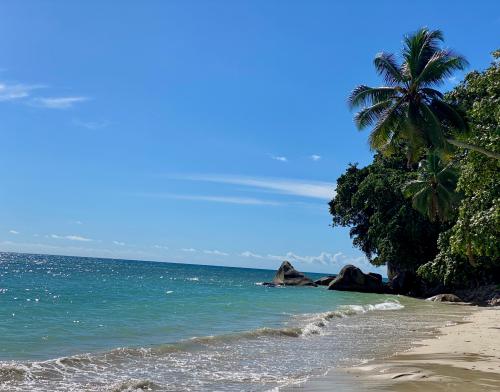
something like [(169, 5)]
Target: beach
[(86, 324), (464, 356)]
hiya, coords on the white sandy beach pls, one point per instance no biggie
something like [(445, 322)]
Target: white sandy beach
[(462, 357)]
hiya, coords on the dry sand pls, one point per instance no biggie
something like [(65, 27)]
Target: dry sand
[(462, 357)]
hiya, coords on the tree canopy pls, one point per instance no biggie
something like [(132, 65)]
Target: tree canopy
[(384, 225), (409, 109), (447, 228)]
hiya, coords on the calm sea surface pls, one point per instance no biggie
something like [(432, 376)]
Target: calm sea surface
[(86, 324)]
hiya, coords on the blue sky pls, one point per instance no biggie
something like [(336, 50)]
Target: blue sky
[(196, 131)]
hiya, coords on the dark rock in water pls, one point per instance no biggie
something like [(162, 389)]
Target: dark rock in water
[(289, 276), (445, 298), (403, 282), (351, 278), (376, 276), (325, 280), (494, 301)]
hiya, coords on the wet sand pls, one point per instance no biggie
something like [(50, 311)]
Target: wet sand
[(462, 357)]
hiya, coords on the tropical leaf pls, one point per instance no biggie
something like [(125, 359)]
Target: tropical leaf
[(364, 95), (387, 67), (369, 115), (433, 192)]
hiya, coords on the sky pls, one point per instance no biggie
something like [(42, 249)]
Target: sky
[(208, 132)]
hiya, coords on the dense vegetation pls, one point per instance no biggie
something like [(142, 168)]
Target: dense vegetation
[(429, 202)]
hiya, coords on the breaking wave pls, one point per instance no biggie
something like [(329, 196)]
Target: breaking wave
[(20, 375)]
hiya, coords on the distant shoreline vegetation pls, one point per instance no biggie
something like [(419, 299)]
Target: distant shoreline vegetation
[(428, 206)]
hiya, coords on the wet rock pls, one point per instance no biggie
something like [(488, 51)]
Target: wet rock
[(494, 301), (445, 298), (325, 280), (289, 276), (351, 278), (403, 282)]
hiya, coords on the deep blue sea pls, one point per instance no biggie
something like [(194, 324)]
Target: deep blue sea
[(88, 324)]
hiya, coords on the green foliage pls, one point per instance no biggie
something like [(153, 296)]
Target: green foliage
[(454, 271), (477, 232), (383, 223), (447, 269), (433, 191), (410, 119), (409, 111), (469, 253)]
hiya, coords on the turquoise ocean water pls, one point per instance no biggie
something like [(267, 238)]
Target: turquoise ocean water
[(86, 324)]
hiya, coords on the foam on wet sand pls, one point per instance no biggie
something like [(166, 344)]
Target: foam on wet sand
[(462, 357)]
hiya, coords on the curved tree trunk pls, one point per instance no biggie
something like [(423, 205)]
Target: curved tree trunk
[(481, 150)]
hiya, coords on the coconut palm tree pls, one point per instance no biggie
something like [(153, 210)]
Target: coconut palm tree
[(433, 192), (410, 108)]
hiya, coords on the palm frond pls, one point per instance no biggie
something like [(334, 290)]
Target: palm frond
[(431, 93), (423, 203), (413, 132), (446, 112), (412, 187), (433, 128), (386, 127), (365, 95), (448, 177), (419, 48), (388, 68), (440, 66), (371, 114)]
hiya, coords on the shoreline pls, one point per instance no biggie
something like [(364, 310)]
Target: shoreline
[(460, 357)]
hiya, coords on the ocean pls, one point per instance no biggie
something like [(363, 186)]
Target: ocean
[(89, 324)]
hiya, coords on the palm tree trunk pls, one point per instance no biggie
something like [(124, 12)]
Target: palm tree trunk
[(490, 154)]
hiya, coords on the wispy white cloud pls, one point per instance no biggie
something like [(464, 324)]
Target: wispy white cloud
[(13, 92), (24, 93), (315, 157), (13, 232), (279, 158), (78, 222), (313, 189), (215, 252), (191, 250), (160, 247), (453, 80), (70, 237), (334, 260), (92, 125), (247, 253), (215, 199), (58, 102), (119, 243)]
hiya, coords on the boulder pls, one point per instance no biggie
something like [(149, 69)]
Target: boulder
[(351, 278), (494, 302), (289, 276), (376, 276), (325, 280), (402, 282), (445, 298)]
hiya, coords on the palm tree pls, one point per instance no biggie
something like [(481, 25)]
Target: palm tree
[(433, 192), (409, 108)]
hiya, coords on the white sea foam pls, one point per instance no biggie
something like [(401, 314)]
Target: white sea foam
[(317, 322), (387, 305)]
